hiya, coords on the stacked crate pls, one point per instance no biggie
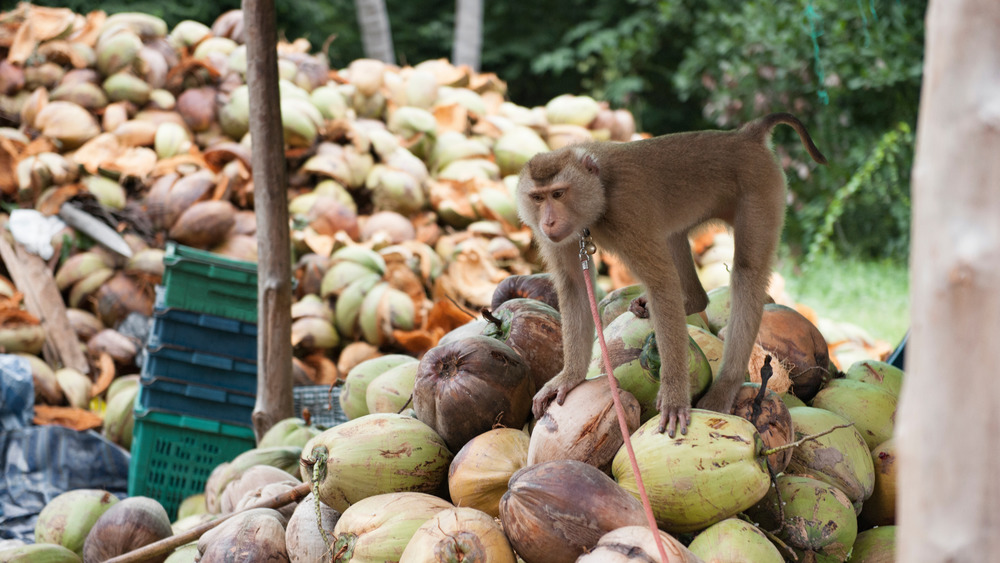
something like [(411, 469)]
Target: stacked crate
[(199, 378)]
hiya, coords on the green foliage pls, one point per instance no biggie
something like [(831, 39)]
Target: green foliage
[(873, 192)]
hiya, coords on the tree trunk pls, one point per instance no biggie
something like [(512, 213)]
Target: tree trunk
[(274, 284), (468, 33), (376, 34), (948, 418)]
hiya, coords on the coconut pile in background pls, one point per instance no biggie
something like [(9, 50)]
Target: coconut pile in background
[(401, 194)]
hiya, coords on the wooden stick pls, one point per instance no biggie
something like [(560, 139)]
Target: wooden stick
[(166, 545), (32, 277)]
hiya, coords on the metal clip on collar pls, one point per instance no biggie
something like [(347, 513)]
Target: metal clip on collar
[(587, 248)]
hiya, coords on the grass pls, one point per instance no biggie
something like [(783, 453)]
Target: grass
[(874, 295)]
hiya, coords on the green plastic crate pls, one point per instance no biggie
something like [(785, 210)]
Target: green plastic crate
[(205, 282), (173, 455)]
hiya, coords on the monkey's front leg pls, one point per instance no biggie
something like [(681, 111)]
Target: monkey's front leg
[(577, 327)]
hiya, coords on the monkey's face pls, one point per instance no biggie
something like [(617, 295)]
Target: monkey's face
[(559, 194)]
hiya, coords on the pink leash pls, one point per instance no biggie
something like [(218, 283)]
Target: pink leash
[(587, 248)]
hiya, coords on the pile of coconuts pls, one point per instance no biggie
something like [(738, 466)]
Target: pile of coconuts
[(417, 290), (441, 461)]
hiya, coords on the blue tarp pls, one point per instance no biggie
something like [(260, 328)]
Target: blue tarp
[(41, 462)]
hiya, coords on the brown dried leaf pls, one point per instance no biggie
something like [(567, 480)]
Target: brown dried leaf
[(447, 316), (51, 203), (321, 370), (320, 244), (416, 342), (170, 165), (107, 372), (16, 317), (452, 117), (41, 24), (89, 29), (137, 162), (98, 152), (10, 151), (70, 417)]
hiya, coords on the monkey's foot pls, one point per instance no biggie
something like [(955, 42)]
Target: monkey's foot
[(556, 389), (719, 398)]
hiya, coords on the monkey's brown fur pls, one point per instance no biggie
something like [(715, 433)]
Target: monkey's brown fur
[(639, 200)]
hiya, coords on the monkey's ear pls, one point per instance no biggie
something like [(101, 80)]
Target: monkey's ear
[(590, 164)]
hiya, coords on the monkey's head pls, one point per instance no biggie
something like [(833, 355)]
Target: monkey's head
[(559, 193)]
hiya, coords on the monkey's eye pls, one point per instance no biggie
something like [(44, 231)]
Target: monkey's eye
[(558, 194), (537, 198)]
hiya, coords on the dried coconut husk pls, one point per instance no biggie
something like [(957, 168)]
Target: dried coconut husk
[(70, 417), (471, 277)]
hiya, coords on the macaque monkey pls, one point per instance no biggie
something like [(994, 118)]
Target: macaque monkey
[(639, 200)]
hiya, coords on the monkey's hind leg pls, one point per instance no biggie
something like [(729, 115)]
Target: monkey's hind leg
[(695, 298), (756, 230)]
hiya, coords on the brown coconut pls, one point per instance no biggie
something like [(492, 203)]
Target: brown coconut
[(205, 224), (254, 535), (556, 511), (128, 525), (797, 344), (773, 422), (480, 471), (585, 427), (470, 386)]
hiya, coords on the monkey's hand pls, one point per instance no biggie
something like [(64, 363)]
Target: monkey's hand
[(556, 388), (674, 405)]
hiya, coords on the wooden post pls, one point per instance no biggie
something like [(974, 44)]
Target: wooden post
[(274, 267), (949, 494)]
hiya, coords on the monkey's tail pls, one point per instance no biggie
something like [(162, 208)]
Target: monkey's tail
[(761, 129)]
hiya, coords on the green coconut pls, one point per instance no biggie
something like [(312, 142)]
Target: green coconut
[(715, 471), (734, 541), (378, 528), (881, 374), (617, 302), (710, 345), (872, 409), (119, 419), (877, 545), (516, 147), (353, 397), (880, 508), (67, 519), (391, 391), (375, 454), (288, 432), (635, 360), (840, 458), (719, 306), (813, 516), (459, 534), (39, 553)]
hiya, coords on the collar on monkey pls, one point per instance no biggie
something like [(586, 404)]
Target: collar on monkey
[(587, 248)]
